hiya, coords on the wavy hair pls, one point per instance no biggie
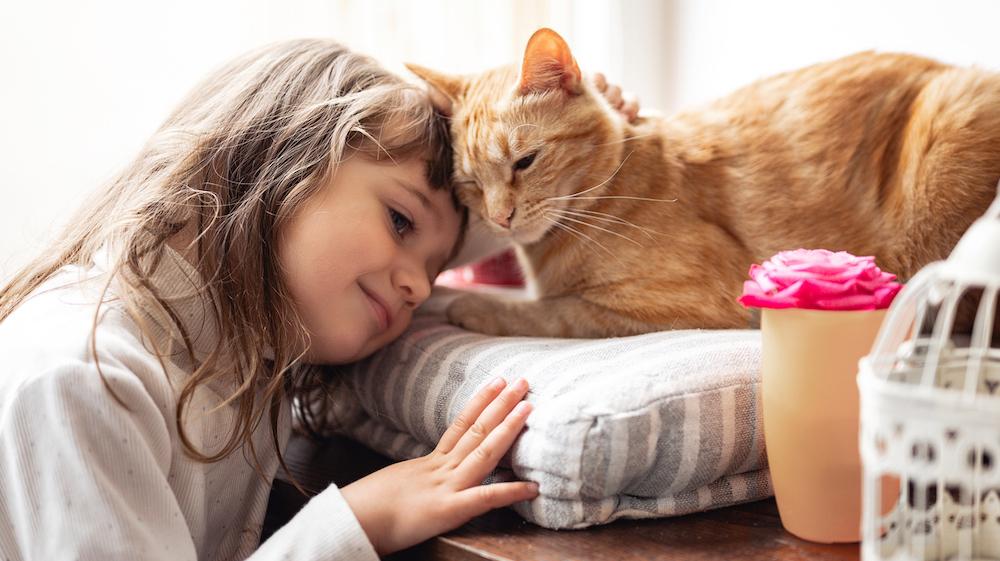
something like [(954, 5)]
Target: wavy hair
[(232, 163)]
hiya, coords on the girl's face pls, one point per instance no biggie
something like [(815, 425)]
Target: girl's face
[(363, 252)]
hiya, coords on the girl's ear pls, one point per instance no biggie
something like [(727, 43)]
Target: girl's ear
[(549, 65), (445, 90)]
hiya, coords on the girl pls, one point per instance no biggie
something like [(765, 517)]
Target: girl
[(292, 212)]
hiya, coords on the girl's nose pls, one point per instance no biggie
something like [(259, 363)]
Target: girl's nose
[(413, 284)]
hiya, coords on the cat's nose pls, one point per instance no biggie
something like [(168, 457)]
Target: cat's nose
[(503, 217)]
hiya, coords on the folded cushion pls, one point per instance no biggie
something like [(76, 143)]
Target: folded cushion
[(646, 426)]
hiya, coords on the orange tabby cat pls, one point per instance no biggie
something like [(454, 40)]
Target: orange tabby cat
[(629, 228)]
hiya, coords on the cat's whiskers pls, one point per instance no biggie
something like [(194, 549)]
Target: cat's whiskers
[(626, 139), (611, 218), (576, 233), (558, 224), (566, 216), (512, 140), (625, 197), (601, 184)]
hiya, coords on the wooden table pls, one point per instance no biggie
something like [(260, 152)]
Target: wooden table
[(745, 532)]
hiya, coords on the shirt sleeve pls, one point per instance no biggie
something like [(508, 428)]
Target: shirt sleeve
[(82, 477), (325, 528)]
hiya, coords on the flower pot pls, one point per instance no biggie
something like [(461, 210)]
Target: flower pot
[(810, 409)]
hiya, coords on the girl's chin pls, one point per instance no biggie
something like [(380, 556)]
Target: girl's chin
[(371, 346), (344, 352), (338, 352)]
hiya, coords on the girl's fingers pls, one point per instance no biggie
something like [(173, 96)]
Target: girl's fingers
[(468, 416), (488, 420), (600, 82), (486, 456), (614, 96), (481, 499), (631, 109)]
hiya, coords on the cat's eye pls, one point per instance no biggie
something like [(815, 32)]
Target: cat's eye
[(525, 162), (400, 223)]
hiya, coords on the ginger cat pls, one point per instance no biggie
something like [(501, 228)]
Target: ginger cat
[(629, 228)]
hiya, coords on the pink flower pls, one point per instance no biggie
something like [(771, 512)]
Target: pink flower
[(818, 279)]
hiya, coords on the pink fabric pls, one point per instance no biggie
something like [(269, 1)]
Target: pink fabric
[(819, 279), (499, 270)]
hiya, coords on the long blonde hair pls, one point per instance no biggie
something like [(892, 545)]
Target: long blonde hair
[(253, 141)]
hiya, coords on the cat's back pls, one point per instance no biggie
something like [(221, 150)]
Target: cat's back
[(875, 144), (840, 96), (841, 82)]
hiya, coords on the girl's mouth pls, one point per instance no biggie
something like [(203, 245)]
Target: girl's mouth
[(381, 311)]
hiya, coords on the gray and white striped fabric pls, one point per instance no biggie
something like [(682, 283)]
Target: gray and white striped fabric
[(653, 425)]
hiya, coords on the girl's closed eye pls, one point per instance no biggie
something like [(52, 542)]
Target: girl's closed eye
[(401, 225)]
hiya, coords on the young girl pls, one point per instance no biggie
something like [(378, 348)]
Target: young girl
[(292, 212)]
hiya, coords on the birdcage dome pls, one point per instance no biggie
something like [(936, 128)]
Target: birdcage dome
[(930, 411), (976, 258)]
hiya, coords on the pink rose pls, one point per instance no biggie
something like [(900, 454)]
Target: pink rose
[(818, 279)]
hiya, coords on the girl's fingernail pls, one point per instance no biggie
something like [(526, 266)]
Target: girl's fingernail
[(521, 384), (522, 408), (497, 383)]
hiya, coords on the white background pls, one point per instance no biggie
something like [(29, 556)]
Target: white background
[(82, 84)]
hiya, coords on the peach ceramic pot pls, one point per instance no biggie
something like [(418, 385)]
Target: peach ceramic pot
[(810, 394)]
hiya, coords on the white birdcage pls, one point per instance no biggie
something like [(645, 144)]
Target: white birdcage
[(930, 411)]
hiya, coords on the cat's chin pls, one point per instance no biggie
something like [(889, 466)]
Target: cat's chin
[(523, 234), (530, 234)]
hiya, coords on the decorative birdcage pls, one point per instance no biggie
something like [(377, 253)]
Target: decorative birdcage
[(930, 411)]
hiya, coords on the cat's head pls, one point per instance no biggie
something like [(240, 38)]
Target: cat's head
[(524, 138)]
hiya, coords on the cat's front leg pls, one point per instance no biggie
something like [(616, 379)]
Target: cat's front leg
[(567, 316), (484, 314)]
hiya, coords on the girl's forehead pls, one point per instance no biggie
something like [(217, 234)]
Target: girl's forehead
[(439, 202), (440, 199)]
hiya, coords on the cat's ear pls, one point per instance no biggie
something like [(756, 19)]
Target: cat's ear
[(549, 65), (444, 89)]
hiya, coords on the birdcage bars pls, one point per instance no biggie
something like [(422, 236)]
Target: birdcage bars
[(930, 417)]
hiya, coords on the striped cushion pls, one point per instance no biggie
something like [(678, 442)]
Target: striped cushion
[(646, 426)]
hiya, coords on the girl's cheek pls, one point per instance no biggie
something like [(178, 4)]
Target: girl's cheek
[(380, 247)]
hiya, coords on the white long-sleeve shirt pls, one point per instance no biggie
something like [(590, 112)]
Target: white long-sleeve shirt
[(82, 477)]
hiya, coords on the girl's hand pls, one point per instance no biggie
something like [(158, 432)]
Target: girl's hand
[(626, 104), (409, 502)]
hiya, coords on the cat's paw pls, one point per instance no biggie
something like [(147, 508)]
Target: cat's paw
[(477, 313)]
